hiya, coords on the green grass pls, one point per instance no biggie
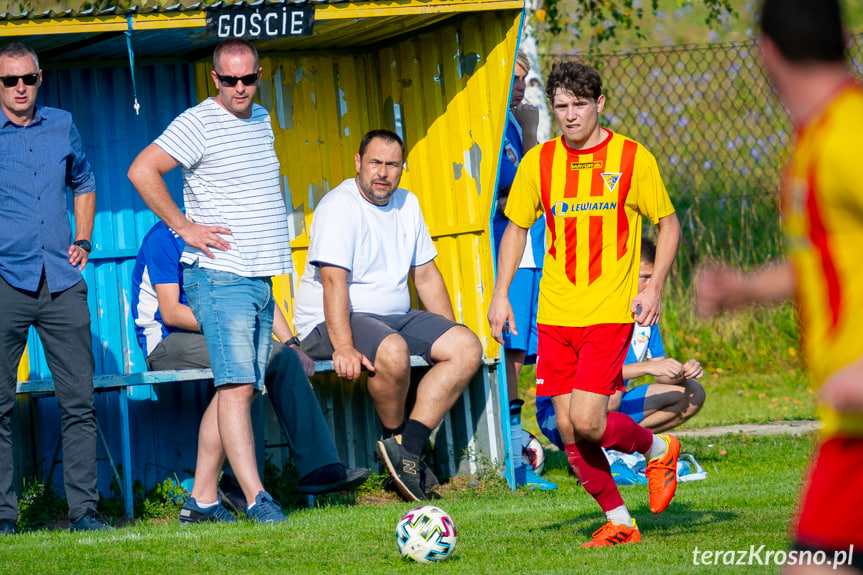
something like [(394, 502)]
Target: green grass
[(746, 500)]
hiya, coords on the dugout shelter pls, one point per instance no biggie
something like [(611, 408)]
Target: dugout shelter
[(437, 72)]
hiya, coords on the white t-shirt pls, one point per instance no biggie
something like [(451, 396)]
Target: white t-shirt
[(377, 245), (231, 175)]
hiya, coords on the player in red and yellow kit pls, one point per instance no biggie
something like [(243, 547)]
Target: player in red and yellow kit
[(594, 186), (803, 49)]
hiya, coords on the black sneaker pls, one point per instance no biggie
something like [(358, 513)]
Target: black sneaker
[(7, 527), (334, 477), (91, 522), (192, 513), (430, 483), (405, 469)]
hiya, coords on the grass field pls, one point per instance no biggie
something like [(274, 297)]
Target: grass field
[(746, 500)]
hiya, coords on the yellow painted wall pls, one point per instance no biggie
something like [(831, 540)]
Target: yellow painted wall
[(450, 88)]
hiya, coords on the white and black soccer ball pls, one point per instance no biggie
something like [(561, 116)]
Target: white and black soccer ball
[(426, 534), (532, 451)]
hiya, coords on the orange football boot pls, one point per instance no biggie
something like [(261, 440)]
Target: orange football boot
[(661, 475), (611, 534)]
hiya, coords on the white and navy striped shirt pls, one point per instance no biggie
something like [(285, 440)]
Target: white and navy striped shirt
[(231, 176)]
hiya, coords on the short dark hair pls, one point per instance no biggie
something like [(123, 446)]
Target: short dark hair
[(648, 251), (233, 46), (386, 136), (574, 77), (19, 50), (805, 30)]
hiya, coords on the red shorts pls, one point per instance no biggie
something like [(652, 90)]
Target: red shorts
[(831, 498), (586, 358)]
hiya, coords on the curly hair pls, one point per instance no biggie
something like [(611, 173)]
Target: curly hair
[(574, 77)]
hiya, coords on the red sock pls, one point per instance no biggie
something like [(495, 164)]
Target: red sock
[(623, 434), (591, 467)]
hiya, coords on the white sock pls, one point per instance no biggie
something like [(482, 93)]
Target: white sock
[(207, 505), (249, 508), (620, 516), (658, 448)]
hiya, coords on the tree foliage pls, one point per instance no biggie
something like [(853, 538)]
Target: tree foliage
[(605, 18)]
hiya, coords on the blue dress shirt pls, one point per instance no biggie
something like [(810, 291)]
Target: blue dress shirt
[(39, 162)]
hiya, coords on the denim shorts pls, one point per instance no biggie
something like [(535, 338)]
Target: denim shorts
[(235, 314)]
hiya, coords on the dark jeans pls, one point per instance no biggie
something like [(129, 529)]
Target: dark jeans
[(290, 393), (62, 321)]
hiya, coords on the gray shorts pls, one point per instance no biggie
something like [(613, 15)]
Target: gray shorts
[(419, 328)]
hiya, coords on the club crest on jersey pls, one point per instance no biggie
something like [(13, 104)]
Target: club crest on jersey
[(586, 165), (611, 180)]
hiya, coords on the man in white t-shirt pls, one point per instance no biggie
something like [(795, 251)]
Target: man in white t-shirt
[(367, 237), (236, 236)]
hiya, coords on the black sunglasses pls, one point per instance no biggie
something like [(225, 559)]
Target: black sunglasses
[(231, 81), (12, 81)]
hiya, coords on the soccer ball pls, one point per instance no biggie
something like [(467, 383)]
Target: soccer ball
[(426, 534), (532, 451)]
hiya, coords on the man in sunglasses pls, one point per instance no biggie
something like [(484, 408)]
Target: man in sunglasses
[(41, 159), (236, 238)]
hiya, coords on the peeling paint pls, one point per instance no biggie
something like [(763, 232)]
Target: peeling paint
[(347, 131), (439, 79), (457, 170), (473, 163), (467, 64), (313, 99), (284, 105), (265, 92), (316, 192), (301, 73), (406, 82), (342, 104), (393, 117)]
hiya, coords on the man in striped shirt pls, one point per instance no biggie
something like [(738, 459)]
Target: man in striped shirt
[(236, 236), (594, 186)]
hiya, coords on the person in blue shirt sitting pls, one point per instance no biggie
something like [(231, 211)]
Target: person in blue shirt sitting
[(169, 336)]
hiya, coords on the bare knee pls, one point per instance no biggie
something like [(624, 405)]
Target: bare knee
[(461, 347), (565, 428), (695, 396), (392, 358), (234, 393), (588, 428)]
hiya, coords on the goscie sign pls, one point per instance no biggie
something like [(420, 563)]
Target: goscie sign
[(262, 22)]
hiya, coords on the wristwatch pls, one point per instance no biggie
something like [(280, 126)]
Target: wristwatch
[(84, 245), (294, 341)]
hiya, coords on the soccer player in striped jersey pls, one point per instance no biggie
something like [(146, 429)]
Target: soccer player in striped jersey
[(594, 186), (803, 47)]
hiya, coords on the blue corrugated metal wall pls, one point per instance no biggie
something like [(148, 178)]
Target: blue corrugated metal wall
[(101, 100)]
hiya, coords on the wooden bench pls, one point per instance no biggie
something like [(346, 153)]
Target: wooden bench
[(123, 383)]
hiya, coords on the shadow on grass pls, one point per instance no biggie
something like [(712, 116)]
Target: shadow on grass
[(681, 518)]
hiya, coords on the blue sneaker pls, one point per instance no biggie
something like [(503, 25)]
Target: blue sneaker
[(7, 527), (191, 513), (91, 522), (266, 509), (533, 480)]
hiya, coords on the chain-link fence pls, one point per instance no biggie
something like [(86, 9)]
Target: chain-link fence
[(718, 131), (707, 112)]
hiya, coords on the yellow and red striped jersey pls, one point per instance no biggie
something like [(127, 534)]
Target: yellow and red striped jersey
[(822, 208), (593, 200)]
